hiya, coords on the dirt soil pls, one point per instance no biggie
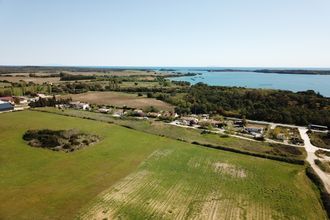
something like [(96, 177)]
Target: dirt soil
[(119, 99)]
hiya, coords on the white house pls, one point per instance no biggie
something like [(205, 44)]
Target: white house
[(80, 105), (104, 110)]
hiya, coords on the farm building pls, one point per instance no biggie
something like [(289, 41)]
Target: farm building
[(318, 127), (6, 106)]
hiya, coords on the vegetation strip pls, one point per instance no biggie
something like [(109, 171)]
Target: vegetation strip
[(282, 159), (325, 196)]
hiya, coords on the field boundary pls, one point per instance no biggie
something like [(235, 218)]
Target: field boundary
[(265, 156), (282, 159), (324, 195)]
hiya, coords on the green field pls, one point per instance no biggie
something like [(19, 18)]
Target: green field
[(137, 175), (188, 135)]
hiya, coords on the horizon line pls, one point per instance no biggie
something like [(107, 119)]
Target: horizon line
[(152, 66)]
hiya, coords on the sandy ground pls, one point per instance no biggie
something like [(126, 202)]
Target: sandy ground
[(119, 99)]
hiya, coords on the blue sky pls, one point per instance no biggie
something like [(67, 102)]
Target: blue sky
[(265, 33)]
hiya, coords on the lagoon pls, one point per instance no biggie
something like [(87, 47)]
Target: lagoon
[(292, 82)]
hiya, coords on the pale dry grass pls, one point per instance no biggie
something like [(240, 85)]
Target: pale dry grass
[(27, 79), (229, 169), (177, 201), (119, 99)]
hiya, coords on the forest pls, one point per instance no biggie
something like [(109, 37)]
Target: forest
[(299, 108)]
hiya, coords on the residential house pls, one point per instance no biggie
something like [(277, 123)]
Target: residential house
[(138, 113), (153, 114), (9, 99), (238, 124), (281, 136), (118, 113), (254, 130), (104, 110), (80, 105), (190, 121)]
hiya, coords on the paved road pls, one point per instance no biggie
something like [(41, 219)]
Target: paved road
[(311, 157)]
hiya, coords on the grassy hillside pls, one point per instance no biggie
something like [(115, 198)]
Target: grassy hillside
[(137, 175)]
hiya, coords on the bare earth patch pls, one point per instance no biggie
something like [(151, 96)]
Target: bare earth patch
[(229, 169), (119, 99)]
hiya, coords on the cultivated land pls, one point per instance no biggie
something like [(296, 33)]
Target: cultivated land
[(44, 76), (37, 80), (137, 175), (120, 99)]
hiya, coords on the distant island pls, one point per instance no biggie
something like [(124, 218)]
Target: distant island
[(278, 71)]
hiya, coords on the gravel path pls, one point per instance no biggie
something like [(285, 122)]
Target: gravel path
[(311, 157)]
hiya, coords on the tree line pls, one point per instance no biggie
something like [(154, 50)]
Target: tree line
[(299, 108)]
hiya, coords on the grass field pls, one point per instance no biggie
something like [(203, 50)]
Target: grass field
[(137, 176), (41, 184), (27, 79), (120, 99), (321, 140), (186, 134), (18, 91), (16, 77)]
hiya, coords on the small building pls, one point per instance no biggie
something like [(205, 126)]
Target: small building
[(9, 99), (43, 96), (118, 113), (216, 124), (138, 113), (205, 116), (22, 100), (317, 127), (281, 136), (190, 121), (80, 105), (153, 114), (104, 110), (6, 106), (253, 130), (238, 124)]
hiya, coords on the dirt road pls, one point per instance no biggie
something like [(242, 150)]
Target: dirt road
[(311, 157)]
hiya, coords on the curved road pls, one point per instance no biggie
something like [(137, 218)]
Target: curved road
[(311, 157)]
